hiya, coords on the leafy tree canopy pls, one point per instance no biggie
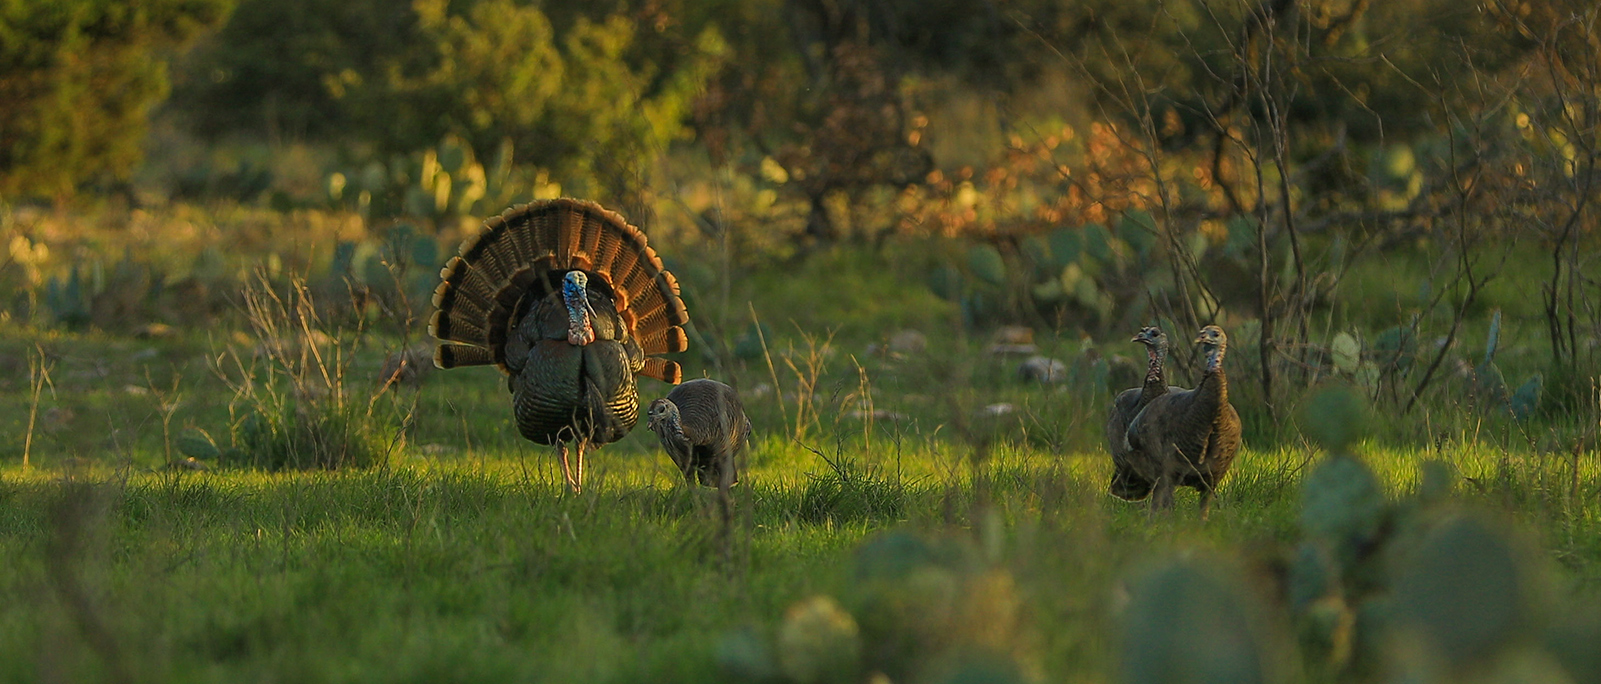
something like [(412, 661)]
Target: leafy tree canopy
[(77, 81)]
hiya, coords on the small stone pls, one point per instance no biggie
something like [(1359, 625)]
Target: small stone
[(999, 409), (1013, 335), (908, 342), (1042, 369)]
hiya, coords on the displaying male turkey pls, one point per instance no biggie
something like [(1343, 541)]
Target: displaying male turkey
[(570, 303), (1126, 482), (1188, 438), (703, 427)]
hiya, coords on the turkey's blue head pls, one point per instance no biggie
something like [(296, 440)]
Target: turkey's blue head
[(575, 294), (1213, 345)]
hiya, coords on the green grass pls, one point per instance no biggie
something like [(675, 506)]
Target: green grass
[(461, 558), (477, 567)]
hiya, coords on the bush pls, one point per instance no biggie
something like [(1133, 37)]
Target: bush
[(292, 408), (305, 436)]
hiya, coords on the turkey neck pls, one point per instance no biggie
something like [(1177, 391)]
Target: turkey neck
[(1213, 390), (1156, 355), (675, 430), (576, 300)]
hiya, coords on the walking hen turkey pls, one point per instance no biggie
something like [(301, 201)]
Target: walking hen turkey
[(1188, 438), (1127, 484), (703, 427), (570, 303)]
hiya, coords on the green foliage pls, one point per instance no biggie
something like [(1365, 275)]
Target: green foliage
[(1335, 417), (1186, 622), (1526, 399), (1084, 270), (819, 643), (243, 183), (197, 444), (591, 96), (444, 185), (68, 299), (919, 610), (1572, 640), (751, 344), (984, 261), (1466, 590), (78, 79), (277, 67), (292, 408), (1395, 348), (1343, 508), (307, 436), (1347, 352), (850, 491)]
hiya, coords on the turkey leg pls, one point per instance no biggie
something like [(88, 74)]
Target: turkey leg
[(566, 467), (582, 444)]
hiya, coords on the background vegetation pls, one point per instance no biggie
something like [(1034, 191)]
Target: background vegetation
[(223, 219)]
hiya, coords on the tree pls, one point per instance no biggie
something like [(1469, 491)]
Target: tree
[(77, 81), (591, 92)]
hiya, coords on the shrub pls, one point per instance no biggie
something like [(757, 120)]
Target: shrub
[(291, 407)]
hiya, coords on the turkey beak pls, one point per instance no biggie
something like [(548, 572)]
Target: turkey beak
[(1138, 338), (1201, 339)]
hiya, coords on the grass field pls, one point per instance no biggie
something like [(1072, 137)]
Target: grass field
[(461, 558)]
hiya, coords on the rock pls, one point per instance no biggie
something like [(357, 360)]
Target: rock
[(999, 409), (908, 342), (1012, 349), (155, 330), (1013, 335), (879, 414), (1042, 369)]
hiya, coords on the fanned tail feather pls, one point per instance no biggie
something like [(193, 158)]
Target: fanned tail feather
[(459, 355), (521, 254), (663, 370), (664, 341)]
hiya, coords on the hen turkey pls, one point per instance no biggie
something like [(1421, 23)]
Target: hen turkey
[(1127, 484), (703, 427), (569, 301), (1188, 438)]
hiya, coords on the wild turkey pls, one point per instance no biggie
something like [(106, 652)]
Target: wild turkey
[(703, 428), (570, 303), (1188, 438), (1126, 483)]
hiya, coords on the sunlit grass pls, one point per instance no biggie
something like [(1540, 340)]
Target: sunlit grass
[(479, 566)]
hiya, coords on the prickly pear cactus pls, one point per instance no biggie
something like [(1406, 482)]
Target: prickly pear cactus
[(1335, 418), (1466, 591), (1396, 348), (1343, 508), (1187, 623), (197, 444), (743, 656), (986, 264), (1526, 400), (1347, 353), (819, 643), (1066, 245), (1137, 229)]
